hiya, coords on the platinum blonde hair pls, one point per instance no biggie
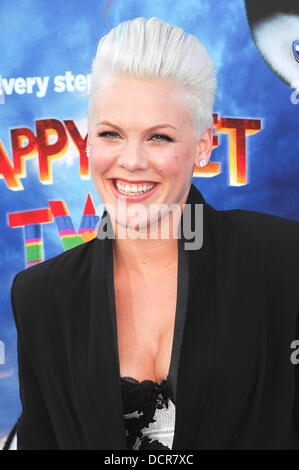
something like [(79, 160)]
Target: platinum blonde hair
[(153, 49)]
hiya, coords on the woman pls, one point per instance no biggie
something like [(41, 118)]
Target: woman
[(137, 340)]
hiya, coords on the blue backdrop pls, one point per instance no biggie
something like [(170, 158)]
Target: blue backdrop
[(45, 62)]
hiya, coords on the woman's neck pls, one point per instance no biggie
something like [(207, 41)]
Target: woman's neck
[(149, 255), (145, 257)]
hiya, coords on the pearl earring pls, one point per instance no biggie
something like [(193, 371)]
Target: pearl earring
[(202, 163), (87, 151)]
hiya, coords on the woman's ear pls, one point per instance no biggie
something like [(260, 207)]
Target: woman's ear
[(204, 147)]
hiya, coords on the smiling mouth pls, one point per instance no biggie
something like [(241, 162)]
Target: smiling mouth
[(133, 189)]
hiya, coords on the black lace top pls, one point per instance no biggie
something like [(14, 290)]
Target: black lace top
[(149, 407), (149, 414)]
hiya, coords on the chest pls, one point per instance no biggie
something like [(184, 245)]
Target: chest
[(145, 315)]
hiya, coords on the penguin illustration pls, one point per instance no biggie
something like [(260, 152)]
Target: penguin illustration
[(274, 27)]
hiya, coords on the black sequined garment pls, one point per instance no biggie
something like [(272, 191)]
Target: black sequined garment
[(149, 414)]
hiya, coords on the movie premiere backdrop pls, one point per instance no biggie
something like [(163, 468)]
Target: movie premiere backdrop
[(48, 203)]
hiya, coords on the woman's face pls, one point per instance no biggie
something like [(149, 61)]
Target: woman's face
[(142, 135)]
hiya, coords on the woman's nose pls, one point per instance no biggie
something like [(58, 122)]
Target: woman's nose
[(132, 157)]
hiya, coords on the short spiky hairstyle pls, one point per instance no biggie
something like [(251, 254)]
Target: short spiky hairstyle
[(154, 49)]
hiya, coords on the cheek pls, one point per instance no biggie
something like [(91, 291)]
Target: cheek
[(175, 165), (100, 163)]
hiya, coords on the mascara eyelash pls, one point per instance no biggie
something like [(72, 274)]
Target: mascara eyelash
[(164, 136), (103, 134)]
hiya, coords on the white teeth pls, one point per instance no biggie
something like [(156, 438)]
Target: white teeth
[(134, 189)]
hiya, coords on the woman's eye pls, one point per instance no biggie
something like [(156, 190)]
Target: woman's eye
[(107, 133), (163, 137), (156, 137)]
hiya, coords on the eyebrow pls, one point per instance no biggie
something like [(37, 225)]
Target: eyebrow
[(163, 125)]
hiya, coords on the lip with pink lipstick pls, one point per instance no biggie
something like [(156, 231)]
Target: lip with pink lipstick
[(139, 185)]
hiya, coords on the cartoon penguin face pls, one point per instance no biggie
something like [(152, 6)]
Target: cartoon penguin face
[(275, 30)]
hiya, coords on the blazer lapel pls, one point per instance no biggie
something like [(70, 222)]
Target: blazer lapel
[(196, 363), (102, 366)]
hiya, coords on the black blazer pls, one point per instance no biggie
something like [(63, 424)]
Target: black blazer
[(236, 386)]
